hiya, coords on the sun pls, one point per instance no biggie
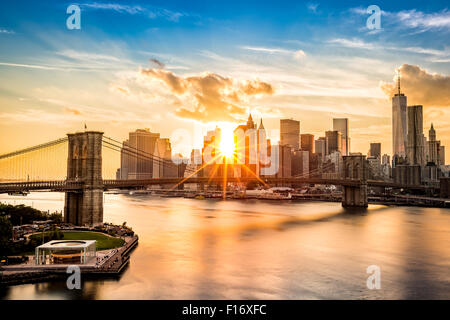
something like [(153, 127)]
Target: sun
[(227, 147)]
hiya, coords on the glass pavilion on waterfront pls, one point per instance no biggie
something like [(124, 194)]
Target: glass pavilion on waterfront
[(66, 252)]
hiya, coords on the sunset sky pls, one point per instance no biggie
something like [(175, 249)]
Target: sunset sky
[(181, 67)]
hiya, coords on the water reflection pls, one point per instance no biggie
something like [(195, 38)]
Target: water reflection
[(212, 249)]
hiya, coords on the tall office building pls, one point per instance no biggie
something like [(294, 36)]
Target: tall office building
[(290, 133), (341, 125), (137, 153), (300, 163), (210, 152), (142, 142), (320, 146), (426, 149), (246, 141), (374, 161), (284, 161), (433, 147), (262, 143), (374, 165), (415, 139), (375, 150), (124, 161), (334, 141), (442, 155), (307, 142), (399, 124), (163, 167), (250, 123)]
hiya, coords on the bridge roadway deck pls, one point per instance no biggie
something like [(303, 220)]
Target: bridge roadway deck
[(67, 186), (56, 185)]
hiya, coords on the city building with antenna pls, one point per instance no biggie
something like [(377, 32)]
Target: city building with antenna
[(399, 124)]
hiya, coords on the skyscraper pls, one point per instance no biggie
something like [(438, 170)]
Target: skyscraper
[(375, 150), (124, 161), (284, 161), (442, 155), (307, 142), (300, 163), (334, 141), (263, 147), (136, 155), (290, 133), (210, 152), (246, 141), (250, 123), (320, 146), (415, 139), (433, 147), (374, 165), (163, 168), (399, 124), (341, 125)]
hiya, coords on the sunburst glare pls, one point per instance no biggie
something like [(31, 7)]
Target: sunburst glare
[(227, 145)]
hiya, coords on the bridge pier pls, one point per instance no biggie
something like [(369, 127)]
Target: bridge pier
[(84, 164), (354, 196), (355, 169)]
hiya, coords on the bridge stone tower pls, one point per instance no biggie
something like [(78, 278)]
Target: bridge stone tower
[(84, 164), (355, 170)]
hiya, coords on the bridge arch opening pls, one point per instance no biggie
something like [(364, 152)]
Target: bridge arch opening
[(348, 171), (356, 171)]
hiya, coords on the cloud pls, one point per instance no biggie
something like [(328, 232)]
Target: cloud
[(120, 89), (176, 84), (312, 7), (363, 11), (209, 96), (418, 19), (158, 63), (295, 53), (73, 111), (6, 31), (436, 55), (257, 87), (428, 51), (30, 66), (413, 19), (351, 43), (87, 56), (73, 60), (150, 12), (421, 87), (115, 7)]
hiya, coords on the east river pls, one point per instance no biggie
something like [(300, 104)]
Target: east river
[(234, 249)]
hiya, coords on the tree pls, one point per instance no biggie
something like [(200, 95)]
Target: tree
[(56, 217), (22, 214), (5, 235)]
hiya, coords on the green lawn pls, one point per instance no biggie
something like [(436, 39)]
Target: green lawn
[(104, 242)]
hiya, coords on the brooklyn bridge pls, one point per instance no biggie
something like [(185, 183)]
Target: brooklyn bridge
[(81, 175)]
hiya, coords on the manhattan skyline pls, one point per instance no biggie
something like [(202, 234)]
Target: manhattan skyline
[(178, 67)]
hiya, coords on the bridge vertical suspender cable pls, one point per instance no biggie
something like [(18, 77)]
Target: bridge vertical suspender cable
[(40, 162)]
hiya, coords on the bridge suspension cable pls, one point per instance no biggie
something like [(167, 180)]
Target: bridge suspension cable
[(312, 172), (46, 161), (34, 148)]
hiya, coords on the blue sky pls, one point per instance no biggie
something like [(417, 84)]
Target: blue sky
[(318, 57)]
